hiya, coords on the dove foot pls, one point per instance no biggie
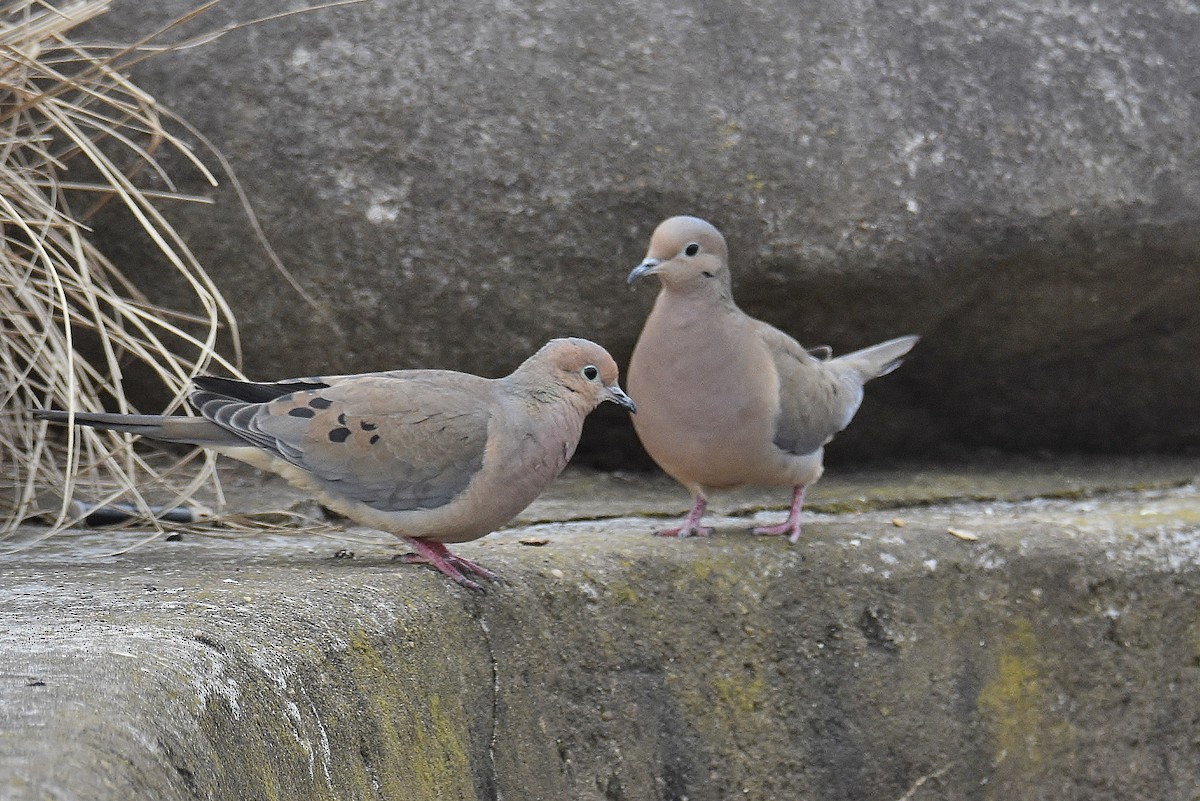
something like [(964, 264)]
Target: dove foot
[(786, 527), (437, 555), (691, 526), (791, 526), (685, 531)]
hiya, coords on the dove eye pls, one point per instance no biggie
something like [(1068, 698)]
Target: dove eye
[(590, 372), (692, 249)]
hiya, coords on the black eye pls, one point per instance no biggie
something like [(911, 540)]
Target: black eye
[(707, 274), (692, 249), (590, 372)]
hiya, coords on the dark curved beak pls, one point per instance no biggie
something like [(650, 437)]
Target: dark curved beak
[(618, 396), (645, 268)]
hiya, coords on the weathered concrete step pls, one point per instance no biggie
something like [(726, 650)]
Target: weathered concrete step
[(1055, 656), (588, 494)]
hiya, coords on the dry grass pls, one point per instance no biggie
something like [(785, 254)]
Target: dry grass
[(73, 324)]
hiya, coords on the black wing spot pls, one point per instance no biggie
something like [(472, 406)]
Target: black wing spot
[(365, 426), (301, 411), (374, 439), (339, 435), (342, 419), (320, 403)]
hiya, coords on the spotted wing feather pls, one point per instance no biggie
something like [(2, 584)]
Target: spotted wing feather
[(392, 441)]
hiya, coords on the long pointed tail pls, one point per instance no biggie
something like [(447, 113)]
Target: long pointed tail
[(881, 359), (190, 430)]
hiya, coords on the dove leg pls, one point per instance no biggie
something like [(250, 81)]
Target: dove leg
[(791, 526), (437, 555), (691, 526)]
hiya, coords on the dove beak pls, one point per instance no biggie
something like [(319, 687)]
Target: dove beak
[(618, 396), (645, 268)]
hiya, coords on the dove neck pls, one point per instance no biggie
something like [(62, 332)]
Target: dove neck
[(710, 292)]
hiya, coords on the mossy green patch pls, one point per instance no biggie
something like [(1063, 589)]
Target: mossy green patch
[(716, 570), (712, 705), (623, 593), (1016, 703), (727, 691), (421, 747), (739, 695), (1013, 699), (439, 756)]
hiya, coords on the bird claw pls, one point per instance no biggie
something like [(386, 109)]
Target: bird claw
[(787, 527), (455, 567), (463, 581), (791, 526), (685, 531), (690, 527), (474, 567)]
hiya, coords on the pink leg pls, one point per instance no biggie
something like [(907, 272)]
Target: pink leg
[(433, 553), (791, 526), (691, 526)]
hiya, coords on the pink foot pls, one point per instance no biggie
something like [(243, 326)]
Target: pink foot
[(436, 554), (774, 531), (685, 531), (691, 526), (791, 526)]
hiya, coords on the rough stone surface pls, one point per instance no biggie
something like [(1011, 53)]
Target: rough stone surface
[(1054, 656), (1019, 182)]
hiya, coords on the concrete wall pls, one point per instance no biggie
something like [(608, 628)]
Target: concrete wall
[(455, 184), (1055, 656)]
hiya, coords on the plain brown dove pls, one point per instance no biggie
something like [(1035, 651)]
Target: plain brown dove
[(432, 456), (725, 400)]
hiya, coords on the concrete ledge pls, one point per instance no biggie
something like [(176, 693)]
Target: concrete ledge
[(1057, 655)]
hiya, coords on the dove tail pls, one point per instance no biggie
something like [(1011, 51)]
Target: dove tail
[(168, 428), (881, 359)]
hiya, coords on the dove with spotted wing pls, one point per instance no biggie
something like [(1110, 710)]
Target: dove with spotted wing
[(431, 456)]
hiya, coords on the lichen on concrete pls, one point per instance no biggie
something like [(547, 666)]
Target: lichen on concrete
[(1014, 704)]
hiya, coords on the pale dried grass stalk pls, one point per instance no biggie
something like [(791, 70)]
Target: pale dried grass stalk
[(61, 103)]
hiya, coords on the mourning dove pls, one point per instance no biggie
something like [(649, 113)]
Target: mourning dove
[(725, 400), (431, 456)]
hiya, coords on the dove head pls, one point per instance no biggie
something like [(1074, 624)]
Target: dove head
[(581, 367), (686, 253)]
